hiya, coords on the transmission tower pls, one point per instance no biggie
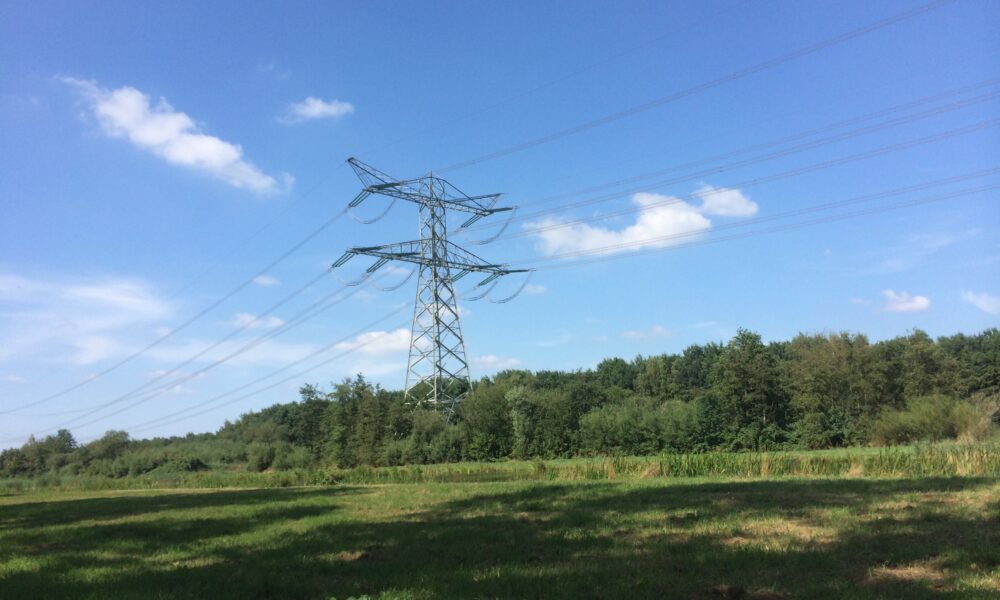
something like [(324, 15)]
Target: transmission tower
[(437, 372)]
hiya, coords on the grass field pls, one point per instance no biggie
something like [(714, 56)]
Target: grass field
[(658, 537)]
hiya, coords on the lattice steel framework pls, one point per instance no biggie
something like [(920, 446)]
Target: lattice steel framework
[(437, 373)]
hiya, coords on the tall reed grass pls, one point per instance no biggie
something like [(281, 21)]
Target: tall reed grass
[(931, 460), (914, 461)]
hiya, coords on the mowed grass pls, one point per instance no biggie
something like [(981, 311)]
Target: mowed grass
[(641, 538)]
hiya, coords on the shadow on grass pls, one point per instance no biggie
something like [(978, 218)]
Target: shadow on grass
[(595, 540), (114, 505)]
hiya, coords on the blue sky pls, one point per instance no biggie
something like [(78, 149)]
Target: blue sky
[(154, 158)]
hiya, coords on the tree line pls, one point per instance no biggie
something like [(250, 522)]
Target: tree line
[(811, 392)]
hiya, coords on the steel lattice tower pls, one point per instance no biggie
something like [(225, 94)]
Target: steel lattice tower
[(437, 373)]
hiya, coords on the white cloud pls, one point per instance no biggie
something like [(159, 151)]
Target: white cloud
[(656, 331), (987, 303), (660, 216), (725, 202), (315, 108), (379, 342), (904, 302), (532, 288), (254, 322), (76, 320), (15, 379), (173, 136), (266, 280), (491, 362), (662, 221)]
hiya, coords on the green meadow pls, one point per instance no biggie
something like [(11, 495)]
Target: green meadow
[(586, 528)]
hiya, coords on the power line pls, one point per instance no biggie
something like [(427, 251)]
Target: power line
[(150, 395), (346, 339), (487, 108), (552, 82), (739, 185), (730, 77), (818, 221), (822, 220), (317, 307), (785, 116), (754, 233), (157, 422), (242, 327), (551, 137), (955, 105), (266, 225), (192, 319)]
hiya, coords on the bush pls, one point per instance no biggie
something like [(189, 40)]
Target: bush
[(639, 427), (630, 428), (186, 463), (925, 418), (291, 457), (679, 425), (259, 456)]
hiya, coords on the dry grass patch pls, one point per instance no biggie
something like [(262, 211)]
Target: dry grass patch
[(349, 555), (782, 534), (928, 572)]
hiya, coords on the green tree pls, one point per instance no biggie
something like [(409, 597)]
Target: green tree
[(829, 382), (691, 372), (926, 369), (487, 421), (616, 372), (746, 382), (654, 377)]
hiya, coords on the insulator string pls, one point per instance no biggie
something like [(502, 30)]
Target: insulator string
[(393, 288), (484, 294), (492, 238), (364, 277), (524, 285), (350, 211)]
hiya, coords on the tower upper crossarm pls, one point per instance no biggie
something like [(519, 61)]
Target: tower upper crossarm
[(419, 191)]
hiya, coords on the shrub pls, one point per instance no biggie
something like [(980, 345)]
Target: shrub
[(186, 463), (925, 418), (679, 425), (259, 456), (291, 457)]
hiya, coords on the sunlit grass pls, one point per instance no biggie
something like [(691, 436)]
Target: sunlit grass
[(637, 538)]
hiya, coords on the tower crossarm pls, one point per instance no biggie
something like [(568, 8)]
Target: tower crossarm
[(419, 191), (456, 260)]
